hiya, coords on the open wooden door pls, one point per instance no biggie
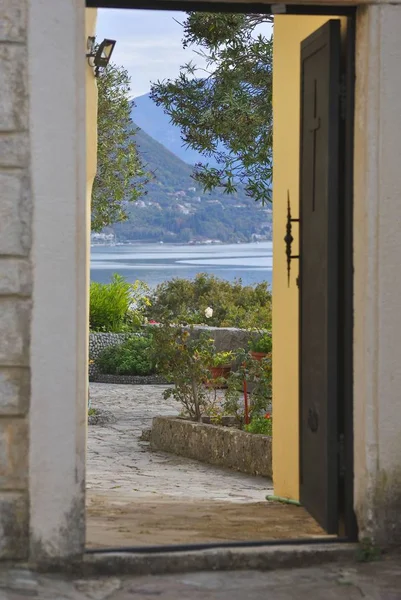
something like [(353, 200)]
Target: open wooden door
[(319, 273)]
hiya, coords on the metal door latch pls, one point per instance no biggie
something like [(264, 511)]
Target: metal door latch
[(289, 239)]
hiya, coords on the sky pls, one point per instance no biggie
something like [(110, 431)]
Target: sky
[(148, 44)]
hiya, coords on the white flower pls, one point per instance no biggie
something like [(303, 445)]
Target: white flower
[(208, 312)]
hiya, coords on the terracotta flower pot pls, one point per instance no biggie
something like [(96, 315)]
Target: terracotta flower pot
[(222, 371), (258, 355), (218, 373)]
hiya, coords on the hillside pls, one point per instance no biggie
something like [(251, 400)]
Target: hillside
[(154, 121), (168, 169), (175, 209)]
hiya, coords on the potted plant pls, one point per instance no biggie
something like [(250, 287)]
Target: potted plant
[(261, 346), (220, 364)]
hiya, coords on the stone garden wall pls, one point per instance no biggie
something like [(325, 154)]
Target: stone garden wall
[(128, 379), (213, 444)]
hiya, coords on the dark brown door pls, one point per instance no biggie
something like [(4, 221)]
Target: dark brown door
[(319, 247)]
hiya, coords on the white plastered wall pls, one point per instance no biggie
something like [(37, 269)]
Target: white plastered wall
[(60, 282), (377, 278)]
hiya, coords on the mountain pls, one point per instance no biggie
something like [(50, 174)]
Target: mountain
[(175, 208), (154, 121)]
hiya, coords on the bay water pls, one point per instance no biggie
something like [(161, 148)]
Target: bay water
[(155, 263)]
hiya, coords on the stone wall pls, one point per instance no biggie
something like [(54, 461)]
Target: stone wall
[(127, 379), (227, 338), (15, 279), (216, 445)]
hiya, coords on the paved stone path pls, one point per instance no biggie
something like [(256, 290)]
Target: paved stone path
[(360, 581), (118, 460), (137, 497)]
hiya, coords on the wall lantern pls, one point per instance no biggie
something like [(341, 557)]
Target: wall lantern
[(100, 58)]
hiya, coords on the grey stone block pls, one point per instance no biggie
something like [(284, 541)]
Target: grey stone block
[(15, 214), (226, 338), (14, 331), (13, 525), (13, 20), (13, 86), (14, 149), (14, 390), (13, 454), (15, 277)]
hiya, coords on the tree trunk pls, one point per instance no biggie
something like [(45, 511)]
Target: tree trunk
[(196, 403)]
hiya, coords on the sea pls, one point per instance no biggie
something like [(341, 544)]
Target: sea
[(155, 263)]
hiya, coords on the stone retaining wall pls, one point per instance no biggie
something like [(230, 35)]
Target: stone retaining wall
[(213, 444)]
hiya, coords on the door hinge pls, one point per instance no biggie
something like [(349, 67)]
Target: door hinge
[(343, 97), (341, 456)]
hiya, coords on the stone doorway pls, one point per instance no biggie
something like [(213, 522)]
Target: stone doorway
[(50, 494)]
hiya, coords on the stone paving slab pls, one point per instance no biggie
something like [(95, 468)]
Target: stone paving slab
[(379, 580)]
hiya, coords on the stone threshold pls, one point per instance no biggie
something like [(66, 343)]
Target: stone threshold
[(219, 559), (261, 558)]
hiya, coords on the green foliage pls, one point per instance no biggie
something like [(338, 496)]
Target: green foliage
[(234, 305), (212, 358), (258, 375), (133, 357), (113, 306), (260, 424), (120, 175), (221, 359), (262, 343), (227, 113), (180, 359)]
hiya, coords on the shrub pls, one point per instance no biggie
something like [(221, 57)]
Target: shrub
[(221, 359), (233, 305), (113, 307), (262, 343), (182, 360), (260, 424), (133, 357), (258, 375), (212, 358)]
